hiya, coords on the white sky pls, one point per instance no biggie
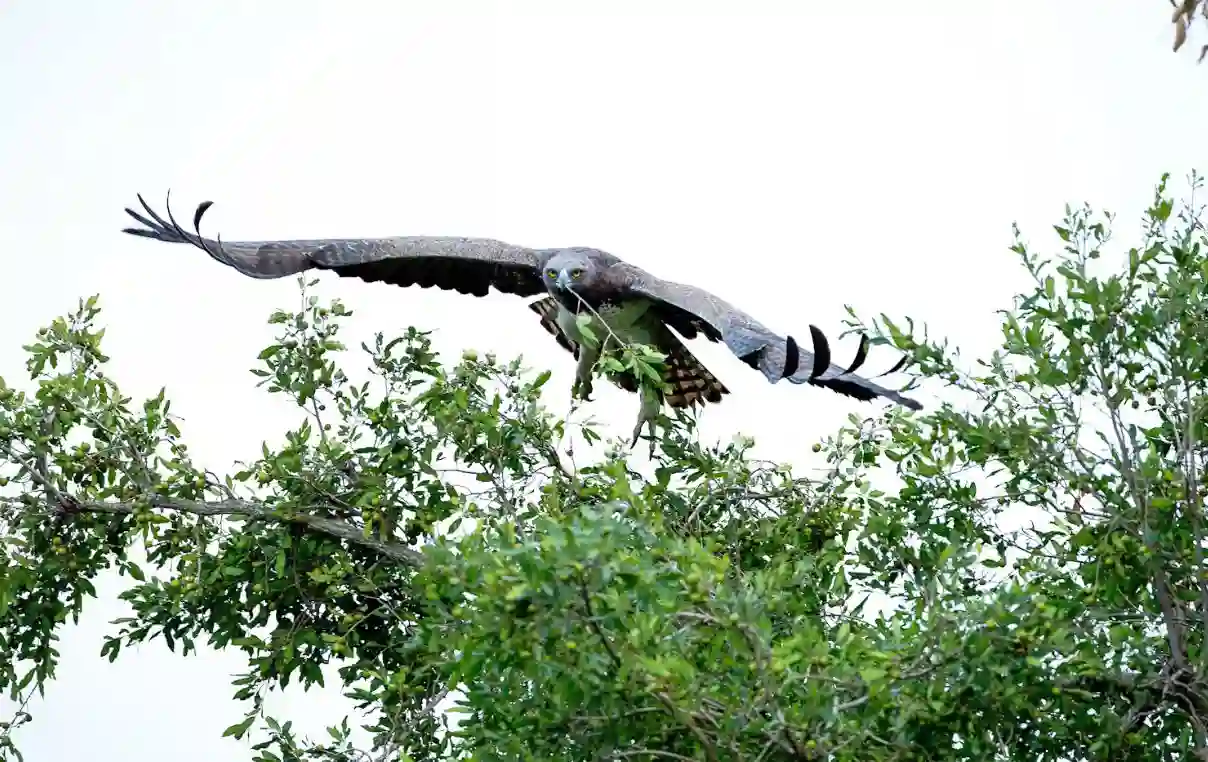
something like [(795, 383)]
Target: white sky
[(794, 157)]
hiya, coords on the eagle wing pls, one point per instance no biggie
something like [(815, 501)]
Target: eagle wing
[(465, 265), (693, 311)]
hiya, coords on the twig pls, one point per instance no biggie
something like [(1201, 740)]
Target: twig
[(651, 753), (594, 625)]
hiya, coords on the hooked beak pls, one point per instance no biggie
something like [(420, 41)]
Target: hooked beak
[(564, 281)]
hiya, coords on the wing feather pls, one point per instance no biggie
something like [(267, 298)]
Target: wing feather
[(466, 265), (776, 356)]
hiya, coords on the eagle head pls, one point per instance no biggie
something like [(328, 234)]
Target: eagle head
[(570, 270)]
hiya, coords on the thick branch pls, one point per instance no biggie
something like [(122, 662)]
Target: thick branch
[(229, 507), (322, 524)]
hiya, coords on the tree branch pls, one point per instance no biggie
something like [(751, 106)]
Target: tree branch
[(322, 524), (65, 504), (1175, 633), (1193, 503)]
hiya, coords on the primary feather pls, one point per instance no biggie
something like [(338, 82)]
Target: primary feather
[(633, 305)]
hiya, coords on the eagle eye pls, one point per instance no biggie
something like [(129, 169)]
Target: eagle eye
[(576, 273), (551, 273)]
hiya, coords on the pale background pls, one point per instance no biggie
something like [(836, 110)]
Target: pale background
[(791, 156)]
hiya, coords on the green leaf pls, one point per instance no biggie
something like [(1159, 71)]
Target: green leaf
[(239, 729), (872, 674)]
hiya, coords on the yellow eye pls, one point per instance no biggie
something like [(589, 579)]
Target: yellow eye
[(551, 273), (576, 274)]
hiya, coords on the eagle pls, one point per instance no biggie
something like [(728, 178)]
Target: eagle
[(581, 288)]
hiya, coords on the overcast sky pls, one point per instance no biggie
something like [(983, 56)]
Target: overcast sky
[(793, 157)]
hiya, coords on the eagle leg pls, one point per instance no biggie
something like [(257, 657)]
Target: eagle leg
[(582, 385), (648, 415)]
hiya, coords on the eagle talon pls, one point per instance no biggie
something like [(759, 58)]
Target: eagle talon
[(581, 391), (637, 434)]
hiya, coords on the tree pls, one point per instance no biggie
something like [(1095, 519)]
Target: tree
[(425, 531)]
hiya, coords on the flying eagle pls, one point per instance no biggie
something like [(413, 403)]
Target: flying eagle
[(635, 306)]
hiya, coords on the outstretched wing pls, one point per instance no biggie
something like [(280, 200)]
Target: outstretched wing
[(693, 311), (466, 265)]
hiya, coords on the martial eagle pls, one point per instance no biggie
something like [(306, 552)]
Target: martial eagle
[(636, 307)]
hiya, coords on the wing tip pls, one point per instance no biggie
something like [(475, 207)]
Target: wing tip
[(154, 225), (909, 403)]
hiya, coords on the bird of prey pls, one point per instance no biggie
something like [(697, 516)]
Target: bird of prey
[(618, 302)]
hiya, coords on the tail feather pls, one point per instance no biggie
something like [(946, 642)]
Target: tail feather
[(547, 310), (689, 380)]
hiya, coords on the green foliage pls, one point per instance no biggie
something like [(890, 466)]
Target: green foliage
[(1091, 415), (427, 537)]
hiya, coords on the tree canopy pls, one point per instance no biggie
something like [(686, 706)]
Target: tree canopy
[(484, 592)]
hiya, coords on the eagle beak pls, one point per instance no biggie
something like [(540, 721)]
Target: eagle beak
[(564, 281)]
